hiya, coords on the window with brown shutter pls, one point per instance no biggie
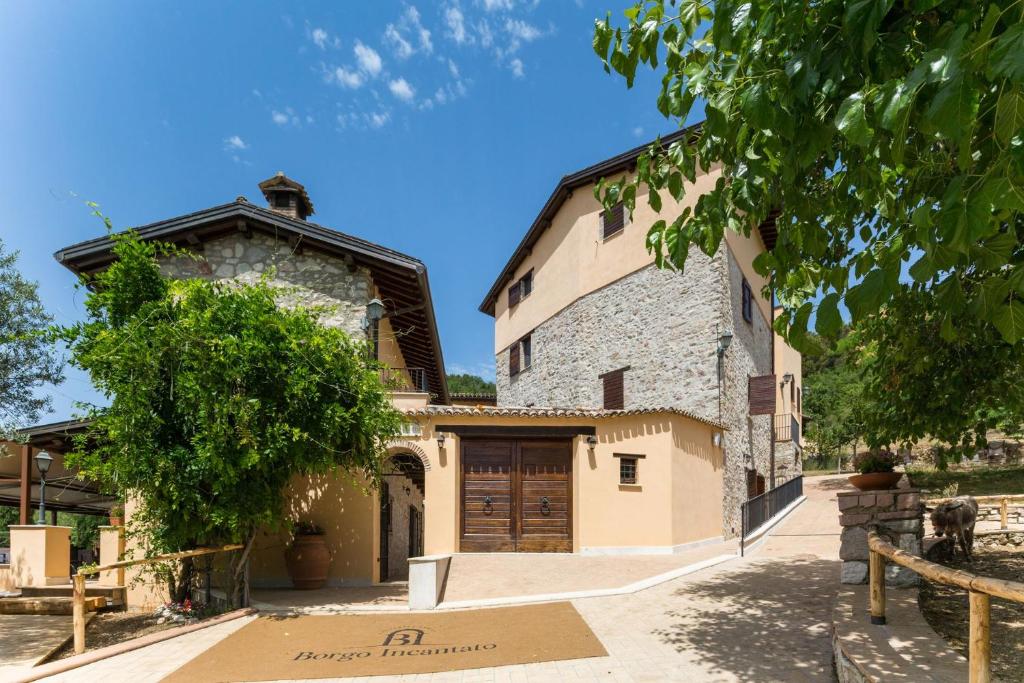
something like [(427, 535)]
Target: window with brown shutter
[(761, 395), (613, 220), (514, 294), (513, 360), (748, 301), (527, 349), (614, 390)]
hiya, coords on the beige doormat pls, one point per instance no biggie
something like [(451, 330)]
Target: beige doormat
[(308, 647)]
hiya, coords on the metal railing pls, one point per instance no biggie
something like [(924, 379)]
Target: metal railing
[(759, 510), (405, 379), (786, 428), (980, 590)]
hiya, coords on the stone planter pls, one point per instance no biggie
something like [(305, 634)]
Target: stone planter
[(308, 560), (876, 481)]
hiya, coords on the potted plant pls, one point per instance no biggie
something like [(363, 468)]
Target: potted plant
[(876, 469), (117, 515), (308, 558)]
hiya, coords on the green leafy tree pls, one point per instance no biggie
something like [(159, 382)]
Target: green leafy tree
[(27, 359), (922, 385), (893, 126), (8, 516), (469, 384), (834, 403), (218, 397)]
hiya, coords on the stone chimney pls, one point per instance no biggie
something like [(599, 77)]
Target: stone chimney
[(286, 196)]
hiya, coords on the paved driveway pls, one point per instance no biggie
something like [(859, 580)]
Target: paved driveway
[(764, 617)]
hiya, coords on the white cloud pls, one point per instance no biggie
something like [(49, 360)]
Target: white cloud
[(348, 79), (493, 5), (456, 22), (403, 49), (486, 35), (520, 30), (440, 96), (401, 89), (368, 59), (322, 39), (286, 117), (235, 142), (378, 119), (638, 132), (517, 67), (453, 69), (412, 15)]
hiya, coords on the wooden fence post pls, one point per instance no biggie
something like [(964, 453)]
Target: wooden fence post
[(1004, 513), (980, 645), (876, 576), (78, 612)]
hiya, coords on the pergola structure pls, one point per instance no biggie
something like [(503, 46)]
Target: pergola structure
[(65, 490)]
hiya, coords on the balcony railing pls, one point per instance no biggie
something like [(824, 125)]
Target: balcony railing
[(786, 428), (405, 379)]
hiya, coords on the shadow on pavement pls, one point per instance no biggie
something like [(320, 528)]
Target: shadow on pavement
[(766, 621)]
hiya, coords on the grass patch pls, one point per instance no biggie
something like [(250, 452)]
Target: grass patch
[(982, 481)]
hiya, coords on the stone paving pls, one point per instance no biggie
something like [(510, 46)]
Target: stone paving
[(24, 638), (764, 617)]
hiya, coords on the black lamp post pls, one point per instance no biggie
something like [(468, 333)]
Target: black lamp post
[(43, 460)]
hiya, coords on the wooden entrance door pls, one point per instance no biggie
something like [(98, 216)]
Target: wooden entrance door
[(516, 496)]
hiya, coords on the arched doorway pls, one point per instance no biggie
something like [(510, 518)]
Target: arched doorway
[(402, 492)]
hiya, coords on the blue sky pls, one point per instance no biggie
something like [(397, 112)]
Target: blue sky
[(435, 129)]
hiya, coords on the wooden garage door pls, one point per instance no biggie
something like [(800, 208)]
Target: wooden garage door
[(487, 496), (545, 493), (516, 496)]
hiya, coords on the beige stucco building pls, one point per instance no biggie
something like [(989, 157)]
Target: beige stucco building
[(622, 429)]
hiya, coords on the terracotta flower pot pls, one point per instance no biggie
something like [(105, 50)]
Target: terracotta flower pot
[(876, 481), (308, 560)]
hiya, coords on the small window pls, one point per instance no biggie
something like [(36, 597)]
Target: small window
[(748, 301), (628, 468), (520, 356), (613, 220), (526, 284), (792, 393), (614, 389), (515, 294), (283, 200), (520, 290), (799, 400)]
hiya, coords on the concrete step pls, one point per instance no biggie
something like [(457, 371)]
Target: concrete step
[(48, 606), (65, 591)]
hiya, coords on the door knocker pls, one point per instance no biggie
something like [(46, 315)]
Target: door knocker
[(488, 509), (545, 506)]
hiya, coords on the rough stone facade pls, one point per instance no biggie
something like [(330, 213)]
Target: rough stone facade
[(748, 443), (899, 517), (658, 323), (664, 326), (307, 278), (404, 495)]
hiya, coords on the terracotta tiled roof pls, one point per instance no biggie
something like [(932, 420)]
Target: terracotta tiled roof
[(589, 413)]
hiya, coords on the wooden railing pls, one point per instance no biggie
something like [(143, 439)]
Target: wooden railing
[(980, 590), (1002, 500), (78, 582)]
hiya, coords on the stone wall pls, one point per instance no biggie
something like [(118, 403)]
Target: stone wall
[(989, 512), (308, 278), (899, 517), (659, 323), (748, 442), (403, 493)]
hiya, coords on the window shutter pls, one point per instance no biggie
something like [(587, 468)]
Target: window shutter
[(513, 360), (614, 391), (613, 220), (748, 300), (761, 395), (514, 294)]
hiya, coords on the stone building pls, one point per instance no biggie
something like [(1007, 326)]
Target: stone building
[(585, 319)]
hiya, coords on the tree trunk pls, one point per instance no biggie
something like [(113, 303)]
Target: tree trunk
[(238, 577)]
